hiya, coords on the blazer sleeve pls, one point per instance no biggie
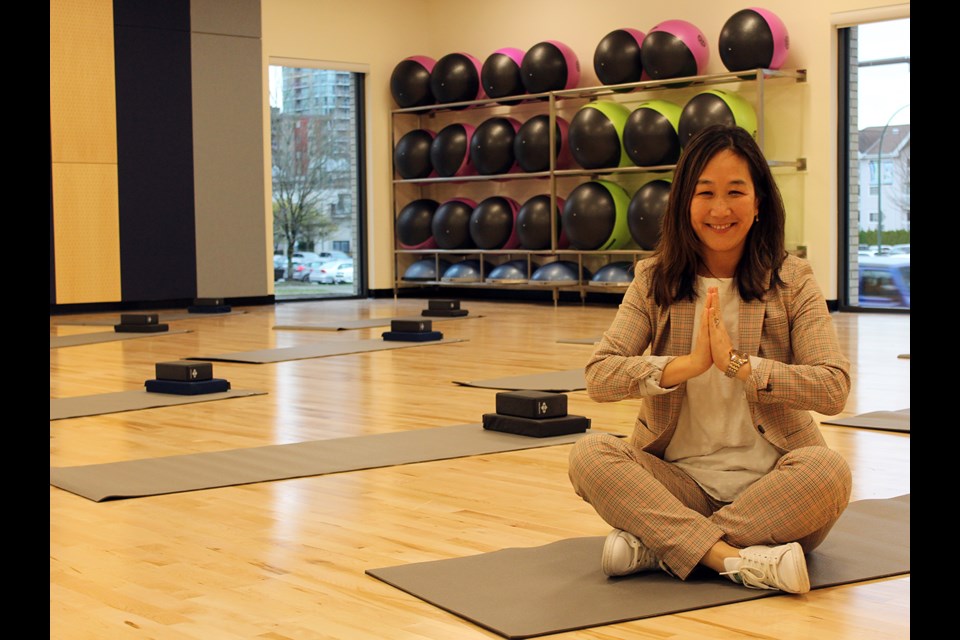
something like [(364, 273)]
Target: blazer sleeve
[(801, 366), (621, 366)]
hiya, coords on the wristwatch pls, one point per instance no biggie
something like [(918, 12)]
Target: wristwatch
[(737, 360)]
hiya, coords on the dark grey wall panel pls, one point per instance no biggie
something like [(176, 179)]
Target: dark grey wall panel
[(169, 14), (155, 162), (228, 164)]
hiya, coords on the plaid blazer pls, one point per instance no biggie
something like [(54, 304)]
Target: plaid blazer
[(801, 367)]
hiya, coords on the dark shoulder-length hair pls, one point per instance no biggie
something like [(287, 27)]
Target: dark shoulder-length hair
[(678, 251)]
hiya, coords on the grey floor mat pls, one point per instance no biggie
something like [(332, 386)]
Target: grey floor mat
[(528, 592), (99, 404), (97, 337), (363, 323), (164, 318), (580, 340), (174, 474), (555, 381), (880, 420), (318, 350)]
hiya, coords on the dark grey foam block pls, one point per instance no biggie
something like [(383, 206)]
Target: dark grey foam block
[(535, 591), (164, 317), (79, 339), (101, 403), (555, 381), (880, 420), (318, 350), (174, 474), (363, 323)]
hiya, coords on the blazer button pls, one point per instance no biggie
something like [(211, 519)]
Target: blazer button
[(760, 428)]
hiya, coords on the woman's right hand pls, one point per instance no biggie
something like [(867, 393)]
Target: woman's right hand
[(699, 360)]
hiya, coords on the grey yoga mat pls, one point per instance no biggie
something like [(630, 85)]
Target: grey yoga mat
[(105, 336), (535, 591), (363, 323), (174, 474), (555, 381), (880, 420), (163, 319), (318, 350), (580, 340), (98, 404)]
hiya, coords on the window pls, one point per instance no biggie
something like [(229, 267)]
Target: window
[(316, 159), (875, 164)]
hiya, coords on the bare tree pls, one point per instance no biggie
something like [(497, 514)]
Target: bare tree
[(306, 172)]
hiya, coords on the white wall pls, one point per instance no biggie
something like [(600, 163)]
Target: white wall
[(377, 34)]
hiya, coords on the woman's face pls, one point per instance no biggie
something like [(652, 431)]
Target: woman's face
[(723, 207)]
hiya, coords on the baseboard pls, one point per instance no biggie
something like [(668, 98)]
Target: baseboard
[(148, 305)]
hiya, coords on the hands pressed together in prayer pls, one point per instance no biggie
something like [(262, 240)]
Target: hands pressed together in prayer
[(713, 344)]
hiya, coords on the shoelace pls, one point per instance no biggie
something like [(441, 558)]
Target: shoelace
[(749, 576)]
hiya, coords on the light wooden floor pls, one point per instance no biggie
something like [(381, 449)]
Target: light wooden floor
[(286, 559)]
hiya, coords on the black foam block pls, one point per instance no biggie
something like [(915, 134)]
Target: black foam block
[(444, 313), (204, 309), (139, 318), (532, 404), (181, 388), (140, 328), (439, 305), (415, 326), (411, 336), (208, 302), (544, 428), (184, 370)]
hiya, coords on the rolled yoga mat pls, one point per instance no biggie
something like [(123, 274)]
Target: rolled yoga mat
[(79, 339), (556, 381), (880, 420), (99, 404), (174, 474), (317, 350), (580, 340), (363, 323), (558, 587), (164, 318)]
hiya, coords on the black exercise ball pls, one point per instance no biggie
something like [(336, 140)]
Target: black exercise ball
[(414, 224), (450, 150), (456, 78), (549, 66), (715, 106), (410, 82), (533, 224), (493, 223), (753, 38), (491, 147), (411, 157), (595, 216), (617, 60), (645, 213), (531, 146), (596, 135), (451, 224), (674, 49), (650, 135), (500, 75)]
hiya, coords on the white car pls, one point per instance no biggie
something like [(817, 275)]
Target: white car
[(344, 274), (326, 272)]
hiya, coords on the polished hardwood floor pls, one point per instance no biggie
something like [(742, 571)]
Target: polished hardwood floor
[(286, 560)]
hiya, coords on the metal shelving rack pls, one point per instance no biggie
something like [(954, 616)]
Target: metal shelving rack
[(626, 93)]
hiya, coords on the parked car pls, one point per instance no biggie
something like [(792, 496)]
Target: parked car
[(326, 272), (900, 249), (885, 281), (279, 267), (344, 274)]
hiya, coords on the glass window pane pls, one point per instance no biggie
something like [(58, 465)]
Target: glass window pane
[(315, 157), (878, 148)]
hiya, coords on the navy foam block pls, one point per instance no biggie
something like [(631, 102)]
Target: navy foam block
[(183, 388), (412, 336)]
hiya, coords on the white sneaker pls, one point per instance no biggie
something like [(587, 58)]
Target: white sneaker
[(623, 554), (761, 567)]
